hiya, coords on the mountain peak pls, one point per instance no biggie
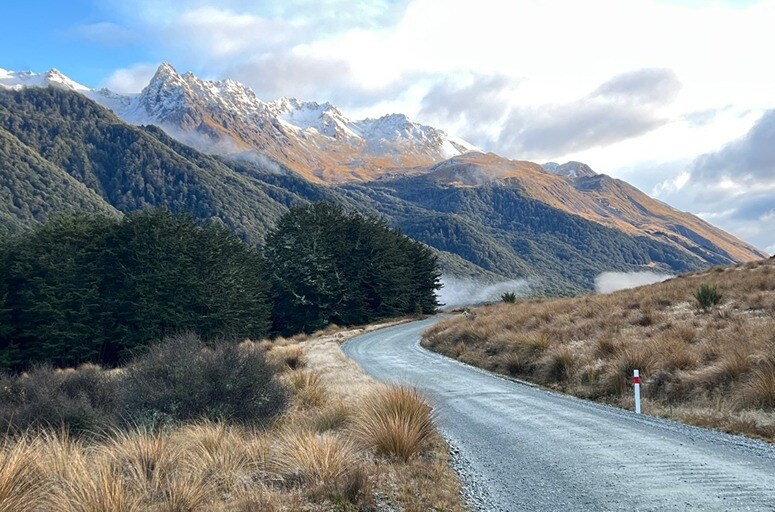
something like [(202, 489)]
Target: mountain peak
[(165, 68), (53, 78), (165, 74), (226, 117), (569, 169)]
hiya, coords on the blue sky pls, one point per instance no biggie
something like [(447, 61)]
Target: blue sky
[(675, 97), (39, 35)]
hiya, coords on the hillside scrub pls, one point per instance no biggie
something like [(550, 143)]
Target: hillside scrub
[(179, 380), (310, 457), (714, 369)]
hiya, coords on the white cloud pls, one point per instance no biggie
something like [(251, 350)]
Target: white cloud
[(130, 80), (106, 33), (609, 282), (465, 292), (671, 185)]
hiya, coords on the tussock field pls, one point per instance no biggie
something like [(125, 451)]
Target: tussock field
[(342, 443), (713, 368)]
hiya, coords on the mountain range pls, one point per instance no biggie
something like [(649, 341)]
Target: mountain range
[(214, 149)]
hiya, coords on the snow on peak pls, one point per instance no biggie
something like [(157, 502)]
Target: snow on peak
[(311, 117), (569, 169), (184, 103), (22, 79), (169, 93)]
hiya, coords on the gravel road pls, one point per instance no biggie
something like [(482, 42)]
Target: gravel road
[(521, 448)]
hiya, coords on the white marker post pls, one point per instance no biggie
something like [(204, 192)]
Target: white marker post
[(636, 382)]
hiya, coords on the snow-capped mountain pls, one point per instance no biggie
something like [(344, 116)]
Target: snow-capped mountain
[(22, 79), (225, 117)]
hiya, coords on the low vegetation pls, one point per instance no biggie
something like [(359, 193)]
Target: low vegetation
[(704, 343), (179, 380), (309, 452), (509, 297)]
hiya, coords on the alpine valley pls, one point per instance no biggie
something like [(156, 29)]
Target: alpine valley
[(212, 148)]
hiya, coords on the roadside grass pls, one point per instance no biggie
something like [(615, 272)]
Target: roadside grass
[(707, 364), (311, 457)]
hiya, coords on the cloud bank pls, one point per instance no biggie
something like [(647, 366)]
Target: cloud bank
[(609, 282), (458, 293)]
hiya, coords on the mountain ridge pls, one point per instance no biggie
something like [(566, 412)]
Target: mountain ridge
[(420, 199), (225, 117)]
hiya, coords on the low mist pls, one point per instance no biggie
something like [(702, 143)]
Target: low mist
[(458, 293), (609, 282)]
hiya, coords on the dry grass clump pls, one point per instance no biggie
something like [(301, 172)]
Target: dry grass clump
[(310, 458), (307, 387), (395, 421), (284, 357), (710, 366), (96, 489), (22, 483)]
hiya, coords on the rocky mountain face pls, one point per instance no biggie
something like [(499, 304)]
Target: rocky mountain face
[(224, 117), (485, 214), (576, 189)]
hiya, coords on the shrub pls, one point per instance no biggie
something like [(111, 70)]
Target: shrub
[(183, 379), (509, 297), (395, 421), (78, 401), (707, 296)]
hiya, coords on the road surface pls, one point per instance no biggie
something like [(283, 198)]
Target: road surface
[(521, 448)]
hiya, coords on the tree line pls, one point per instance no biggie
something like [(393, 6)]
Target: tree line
[(90, 288)]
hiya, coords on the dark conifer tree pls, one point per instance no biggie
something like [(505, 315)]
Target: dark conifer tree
[(328, 265)]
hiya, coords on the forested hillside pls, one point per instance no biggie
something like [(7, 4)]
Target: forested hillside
[(59, 151), (32, 188), (130, 168), (503, 231)]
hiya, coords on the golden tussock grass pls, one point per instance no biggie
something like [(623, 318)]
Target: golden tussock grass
[(713, 368), (395, 421), (312, 457), (22, 481)]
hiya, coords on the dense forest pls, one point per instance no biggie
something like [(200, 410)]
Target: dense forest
[(332, 266), (94, 288)]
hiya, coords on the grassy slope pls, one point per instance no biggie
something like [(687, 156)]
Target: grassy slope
[(713, 369)]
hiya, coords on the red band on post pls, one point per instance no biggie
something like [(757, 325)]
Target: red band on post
[(636, 380)]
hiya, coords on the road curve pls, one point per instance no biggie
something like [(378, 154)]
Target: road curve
[(523, 448)]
